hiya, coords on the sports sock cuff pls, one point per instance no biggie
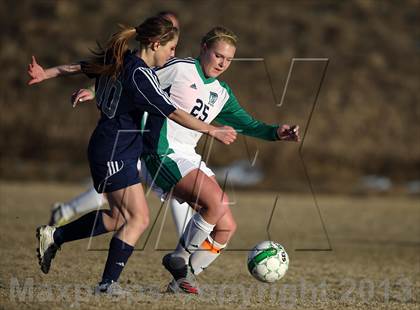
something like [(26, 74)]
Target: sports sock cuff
[(215, 244), (202, 224), (121, 245), (118, 255)]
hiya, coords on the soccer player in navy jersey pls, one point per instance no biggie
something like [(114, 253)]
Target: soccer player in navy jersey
[(126, 88), (64, 212)]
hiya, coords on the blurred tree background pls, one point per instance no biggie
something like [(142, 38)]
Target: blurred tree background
[(367, 117)]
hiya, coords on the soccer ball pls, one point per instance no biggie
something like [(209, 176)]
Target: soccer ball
[(268, 261)]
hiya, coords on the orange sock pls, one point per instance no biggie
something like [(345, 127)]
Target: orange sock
[(209, 251)]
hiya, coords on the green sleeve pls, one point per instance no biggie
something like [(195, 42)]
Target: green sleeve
[(235, 116)]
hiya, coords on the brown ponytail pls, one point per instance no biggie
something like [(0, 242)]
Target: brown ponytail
[(110, 60)]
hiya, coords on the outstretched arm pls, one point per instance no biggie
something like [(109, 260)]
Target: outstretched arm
[(38, 74), (225, 134), (234, 115), (247, 125)]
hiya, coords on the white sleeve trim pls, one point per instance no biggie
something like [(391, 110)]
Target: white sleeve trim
[(154, 83)]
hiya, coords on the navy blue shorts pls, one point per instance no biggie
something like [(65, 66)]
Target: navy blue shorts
[(109, 176)]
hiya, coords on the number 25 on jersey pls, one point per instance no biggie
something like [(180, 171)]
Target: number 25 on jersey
[(200, 110)]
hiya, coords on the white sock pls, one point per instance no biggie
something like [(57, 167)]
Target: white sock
[(194, 235), (181, 213), (87, 201), (209, 251)]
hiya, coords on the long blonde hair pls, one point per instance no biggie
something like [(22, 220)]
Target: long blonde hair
[(110, 60)]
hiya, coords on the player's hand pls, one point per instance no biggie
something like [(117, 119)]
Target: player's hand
[(36, 72), (82, 95), (224, 134), (288, 133)]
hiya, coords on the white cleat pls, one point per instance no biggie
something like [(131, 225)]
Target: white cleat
[(110, 289), (61, 214), (46, 247)]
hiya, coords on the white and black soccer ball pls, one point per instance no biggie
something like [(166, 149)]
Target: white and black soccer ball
[(268, 261)]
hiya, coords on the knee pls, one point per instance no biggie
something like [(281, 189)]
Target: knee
[(217, 203), (141, 221), (145, 220)]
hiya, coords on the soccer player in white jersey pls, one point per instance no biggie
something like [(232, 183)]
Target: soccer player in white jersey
[(192, 84)]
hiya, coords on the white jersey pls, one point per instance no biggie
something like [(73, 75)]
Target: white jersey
[(202, 97), (172, 155), (205, 98)]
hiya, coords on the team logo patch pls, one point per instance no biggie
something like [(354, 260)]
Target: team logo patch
[(213, 98)]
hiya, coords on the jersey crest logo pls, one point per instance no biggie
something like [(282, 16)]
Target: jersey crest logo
[(193, 86), (213, 98)]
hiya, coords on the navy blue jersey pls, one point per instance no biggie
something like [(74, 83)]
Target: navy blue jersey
[(122, 103)]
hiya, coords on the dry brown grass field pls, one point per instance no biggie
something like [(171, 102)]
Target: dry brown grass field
[(373, 262)]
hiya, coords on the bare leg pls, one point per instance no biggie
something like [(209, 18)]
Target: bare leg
[(131, 210)]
